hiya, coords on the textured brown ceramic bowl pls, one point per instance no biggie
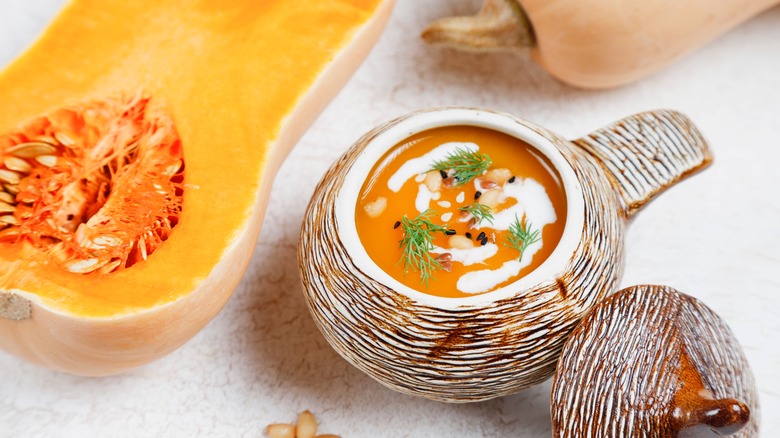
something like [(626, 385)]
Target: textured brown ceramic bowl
[(652, 362), (485, 346)]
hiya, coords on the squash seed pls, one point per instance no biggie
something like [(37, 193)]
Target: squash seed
[(102, 242), (173, 169), (26, 198), (17, 164), (142, 248), (45, 139), (47, 160), (31, 149), (9, 176), (25, 213), (9, 234), (7, 197), (64, 139), (8, 219), (6, 208), (11, 188), (84, 266), (110, 267)]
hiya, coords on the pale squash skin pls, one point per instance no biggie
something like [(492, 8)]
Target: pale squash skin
[(224, 71), (603, 44), (596, 43)]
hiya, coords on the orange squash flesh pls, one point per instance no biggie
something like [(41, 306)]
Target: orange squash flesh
[(242, 79)]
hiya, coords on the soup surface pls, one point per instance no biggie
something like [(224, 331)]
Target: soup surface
[(460, 210)]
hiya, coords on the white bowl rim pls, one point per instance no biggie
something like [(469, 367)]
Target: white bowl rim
[(549, 270)]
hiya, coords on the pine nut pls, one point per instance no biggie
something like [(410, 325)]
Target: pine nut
[(306, 427), (460, 242), (433, 181), (490, 198), (500, 176), (280, 431)]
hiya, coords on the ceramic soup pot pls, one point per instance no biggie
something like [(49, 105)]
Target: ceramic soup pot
[(497, 343)]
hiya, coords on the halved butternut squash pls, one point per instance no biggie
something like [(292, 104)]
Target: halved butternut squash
[(240, 80)]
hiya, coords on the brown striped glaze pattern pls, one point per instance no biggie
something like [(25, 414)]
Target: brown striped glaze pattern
[(652, 362), (472, 352), (647, 153)]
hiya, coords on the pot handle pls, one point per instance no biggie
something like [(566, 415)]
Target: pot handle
[(647, 153)]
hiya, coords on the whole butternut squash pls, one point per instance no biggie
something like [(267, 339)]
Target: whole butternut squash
[(138, 145), (596, 43)]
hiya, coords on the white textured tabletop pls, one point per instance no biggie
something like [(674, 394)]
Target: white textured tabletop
[(715, 236)]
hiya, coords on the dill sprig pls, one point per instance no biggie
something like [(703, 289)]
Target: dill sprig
[(520, 236), (466, 165), (480, 212), (417, 244)]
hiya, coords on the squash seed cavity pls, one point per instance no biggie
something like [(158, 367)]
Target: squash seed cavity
[(96, 186)]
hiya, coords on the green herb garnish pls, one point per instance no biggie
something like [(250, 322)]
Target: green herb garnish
[(417, 244), (481, 212), (466, 165), (520, 236)]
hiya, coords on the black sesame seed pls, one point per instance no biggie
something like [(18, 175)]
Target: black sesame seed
[(397, 224), (450, 232), (511, 180), (477, 195), (443, 174), (468, 235), (481, 236), (484, 241)]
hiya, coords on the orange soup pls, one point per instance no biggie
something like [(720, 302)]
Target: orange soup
[(460, 210)]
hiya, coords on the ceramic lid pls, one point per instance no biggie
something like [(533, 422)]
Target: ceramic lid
[(651, 361)]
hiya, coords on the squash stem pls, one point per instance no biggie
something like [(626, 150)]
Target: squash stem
[(499, 25)]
